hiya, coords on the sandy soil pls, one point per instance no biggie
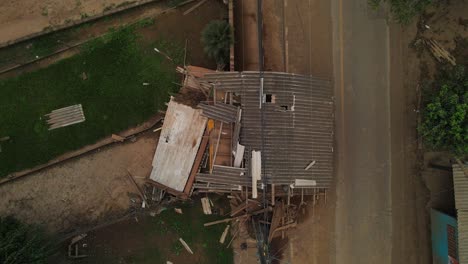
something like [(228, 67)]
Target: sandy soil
[(317, 223), (82, 191), (19, 18), (246, 35)]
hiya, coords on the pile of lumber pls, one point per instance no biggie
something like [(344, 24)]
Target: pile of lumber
[(439, 52)]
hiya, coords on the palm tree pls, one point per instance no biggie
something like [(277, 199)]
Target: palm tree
[(217, 38)]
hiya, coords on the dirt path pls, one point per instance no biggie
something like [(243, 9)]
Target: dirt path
[(246, 35), (82, 191), (25, 17)]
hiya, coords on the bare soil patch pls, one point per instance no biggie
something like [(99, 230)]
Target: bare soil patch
[(25, 17), (80, 192)]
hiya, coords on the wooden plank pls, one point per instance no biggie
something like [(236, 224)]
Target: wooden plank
[(196, 163), (217, 146), (239, 209), (118, 138), (273, 195), (283, 228), (206, 206), (189, 250), (276, 219), (223, 236), (197, 5), (239, 155), (140, 191), (225, 220), (160, 186)]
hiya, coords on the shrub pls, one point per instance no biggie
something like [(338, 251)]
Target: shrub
[(21, 243), (444, 118), (404, 10)]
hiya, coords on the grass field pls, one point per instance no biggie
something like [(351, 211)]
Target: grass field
[(112, 94)]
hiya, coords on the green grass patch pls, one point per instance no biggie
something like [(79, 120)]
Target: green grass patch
[(189, 226), (112, 94)]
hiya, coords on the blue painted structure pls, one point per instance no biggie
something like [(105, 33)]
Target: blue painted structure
[(440, 244)]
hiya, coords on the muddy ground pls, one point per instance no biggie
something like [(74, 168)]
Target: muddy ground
[(19, 18)]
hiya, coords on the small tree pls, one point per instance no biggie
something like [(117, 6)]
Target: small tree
[(444, 117), (21, 243), (217, 38), (404, 10)]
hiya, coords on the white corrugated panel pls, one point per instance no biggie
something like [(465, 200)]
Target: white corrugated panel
[(460, 182)]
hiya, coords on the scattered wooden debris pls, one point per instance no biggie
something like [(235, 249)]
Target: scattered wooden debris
[(189, 250), (140, 191), (178, 210), (206, 206), (223, 221), (245, 206), (65, 116), (84, 76), (312, 163), (116, 137), (282, 228), (195, 6), (269, 208), (74, 244), (223, 236), (439, 52)]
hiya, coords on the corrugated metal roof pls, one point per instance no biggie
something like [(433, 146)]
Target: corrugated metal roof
[(462, 220), (223, 112), (460, 182), (461, 203), (291, 130)]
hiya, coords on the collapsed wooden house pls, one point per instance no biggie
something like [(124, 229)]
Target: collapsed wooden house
[(268, 130), (283, 130)]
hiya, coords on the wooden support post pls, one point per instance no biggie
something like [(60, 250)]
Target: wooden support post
[(140, 191), (217, 146), (273, 194)]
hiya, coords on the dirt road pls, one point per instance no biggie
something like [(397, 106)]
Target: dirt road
[(379, 218)]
